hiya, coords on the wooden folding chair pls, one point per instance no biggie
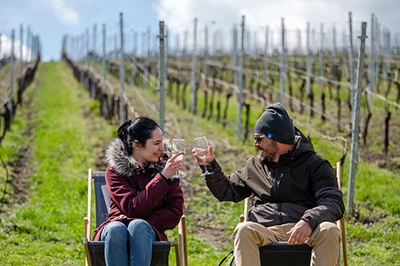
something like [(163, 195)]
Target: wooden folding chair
[(94, 250), (283, 254)]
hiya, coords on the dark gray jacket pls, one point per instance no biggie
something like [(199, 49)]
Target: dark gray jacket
[(302, 185)]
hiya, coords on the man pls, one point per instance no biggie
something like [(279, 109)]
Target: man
[(295, 193)]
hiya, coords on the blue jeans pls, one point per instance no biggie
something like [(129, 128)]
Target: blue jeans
[(137, 238)]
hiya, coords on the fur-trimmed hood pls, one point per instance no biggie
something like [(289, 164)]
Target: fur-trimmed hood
[(125, 165)]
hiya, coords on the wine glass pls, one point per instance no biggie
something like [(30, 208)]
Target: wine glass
[(201, 144), (177, 146)]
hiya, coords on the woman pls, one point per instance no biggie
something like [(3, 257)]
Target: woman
[(145, 201)]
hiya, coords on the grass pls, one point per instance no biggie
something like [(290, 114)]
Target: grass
[(47, 230)]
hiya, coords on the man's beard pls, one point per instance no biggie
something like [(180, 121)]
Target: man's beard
[(269, 153)]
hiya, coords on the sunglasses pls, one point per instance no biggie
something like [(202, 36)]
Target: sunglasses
[(259, 138)]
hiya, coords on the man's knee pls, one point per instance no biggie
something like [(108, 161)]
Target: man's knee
[(329, 230), (241, 230), (249, 230)]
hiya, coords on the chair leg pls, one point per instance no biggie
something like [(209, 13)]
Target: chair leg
[(344, 244), (182, 240), (175, 244), (340, 223)]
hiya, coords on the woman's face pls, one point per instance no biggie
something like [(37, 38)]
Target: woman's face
[(151, 151)]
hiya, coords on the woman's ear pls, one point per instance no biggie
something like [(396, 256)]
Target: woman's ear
[(136, 144)]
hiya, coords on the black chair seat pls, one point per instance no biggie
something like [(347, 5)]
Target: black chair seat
[(159, 255), (283, 254)]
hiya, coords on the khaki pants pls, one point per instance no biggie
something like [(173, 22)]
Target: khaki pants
[(249, 236)]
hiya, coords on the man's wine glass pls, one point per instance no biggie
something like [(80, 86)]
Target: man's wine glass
[(178, 145), (201, 144)]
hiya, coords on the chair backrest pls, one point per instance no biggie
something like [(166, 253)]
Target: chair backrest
[(102, 197)]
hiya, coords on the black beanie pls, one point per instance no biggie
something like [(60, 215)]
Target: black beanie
[(276, 124)]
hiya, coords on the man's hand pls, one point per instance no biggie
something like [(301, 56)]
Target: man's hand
[(299, 233), (203, 157)]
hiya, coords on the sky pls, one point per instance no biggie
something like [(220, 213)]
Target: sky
[(52, 19)]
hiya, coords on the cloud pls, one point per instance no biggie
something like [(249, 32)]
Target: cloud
[(224, 12), (180, 13), (65, 13), (6, 48)]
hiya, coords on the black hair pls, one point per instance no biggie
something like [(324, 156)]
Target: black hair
[(140, 129)]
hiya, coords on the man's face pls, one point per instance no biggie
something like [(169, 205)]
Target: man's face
[(267, 148)]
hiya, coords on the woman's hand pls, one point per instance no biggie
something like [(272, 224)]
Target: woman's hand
[(203, 157), (172, 166)]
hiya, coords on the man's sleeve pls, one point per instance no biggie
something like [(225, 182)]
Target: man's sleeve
[(329, 198), (227, 188)]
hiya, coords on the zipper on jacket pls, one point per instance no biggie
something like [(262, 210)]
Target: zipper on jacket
[(280, 213), (278, 182)]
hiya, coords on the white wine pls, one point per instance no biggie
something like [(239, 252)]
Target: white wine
[(178, 146), (180, 157), (201, 144), (202, 154)]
